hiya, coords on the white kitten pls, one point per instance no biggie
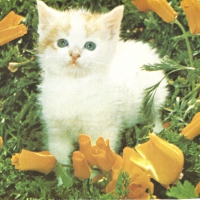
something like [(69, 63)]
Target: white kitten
[(92, 81)]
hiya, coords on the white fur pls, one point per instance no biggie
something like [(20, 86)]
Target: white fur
[(103, 94)]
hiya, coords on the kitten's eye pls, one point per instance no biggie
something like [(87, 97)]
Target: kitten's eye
[(91, 46), (62, 43)]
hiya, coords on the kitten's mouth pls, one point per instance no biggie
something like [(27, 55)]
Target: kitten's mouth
[(74, 64)]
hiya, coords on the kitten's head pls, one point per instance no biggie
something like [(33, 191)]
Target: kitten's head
[(77, 42)]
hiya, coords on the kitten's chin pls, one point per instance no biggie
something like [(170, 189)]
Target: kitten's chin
[(76, 70), (74, 65)]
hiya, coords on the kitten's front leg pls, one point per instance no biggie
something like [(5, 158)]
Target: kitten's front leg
[(61, 146)]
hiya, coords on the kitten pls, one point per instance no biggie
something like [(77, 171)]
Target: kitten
[(92, 81)]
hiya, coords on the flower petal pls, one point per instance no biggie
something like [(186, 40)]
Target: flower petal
[(163, 9), (85, 145), (9, 28), (43, 162), (10, 20), (104, 156), (138, 169), (193, 128), (114, 175), (197, 189), (81, 168), (131, 157), (166, 159), (140, 181), (191, 9), (1, 142), (141, 5)]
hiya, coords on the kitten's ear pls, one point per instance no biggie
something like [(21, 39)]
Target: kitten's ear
[(45, 14), (113, 19)]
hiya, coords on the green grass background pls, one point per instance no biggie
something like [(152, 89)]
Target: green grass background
[(20, 124)]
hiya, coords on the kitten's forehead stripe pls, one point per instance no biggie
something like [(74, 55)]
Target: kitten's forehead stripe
[(91, 25), (60, 26)]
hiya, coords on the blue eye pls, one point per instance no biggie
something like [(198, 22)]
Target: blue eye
[(91, 46), (62, 43)]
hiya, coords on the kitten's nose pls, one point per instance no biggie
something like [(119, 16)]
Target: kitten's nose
[(75, 54)]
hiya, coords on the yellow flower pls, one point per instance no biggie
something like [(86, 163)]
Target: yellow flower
[(160, 7), (142, 5), (1, 142), (81, 168), (193, 128), (10, 28), (103, 155), (114, 173), (163, 9), (140, 179), (140, 182), (100, 155), (43, 162), (192, 12), (165, 159), (156, 159), (85, 145)]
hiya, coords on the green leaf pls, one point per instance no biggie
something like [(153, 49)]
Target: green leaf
[(182, 191), (118, 187), (67, 181)]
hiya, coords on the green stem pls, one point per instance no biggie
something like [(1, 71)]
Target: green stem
[(22, 64), (189, 51), (191, 93), (187, 43)]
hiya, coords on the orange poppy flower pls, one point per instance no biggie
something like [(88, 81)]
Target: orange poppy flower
[(160, 7), (141, 5), (81, 168), (193, 128), (156, 159), (43, 162), (163, 9), (140, 179), (10, 28), (140, 182), (85, 145), (114, 175), (165, 159), (1, 143), (191, 9), (103, 155)]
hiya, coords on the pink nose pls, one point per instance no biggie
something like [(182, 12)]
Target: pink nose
[(75, 55)]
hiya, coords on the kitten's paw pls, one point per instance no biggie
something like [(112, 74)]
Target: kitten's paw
[(158, 127), (60, 182)]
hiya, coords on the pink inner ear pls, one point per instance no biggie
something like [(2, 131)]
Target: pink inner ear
[(113, 19), (45, 14)]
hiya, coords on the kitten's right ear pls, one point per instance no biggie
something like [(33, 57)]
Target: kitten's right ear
[(45, 15)]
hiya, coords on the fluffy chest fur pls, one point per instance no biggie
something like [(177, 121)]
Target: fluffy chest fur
[(87, 102)]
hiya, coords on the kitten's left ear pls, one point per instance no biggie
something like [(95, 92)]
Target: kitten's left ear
[(46, 15), (113, 19)]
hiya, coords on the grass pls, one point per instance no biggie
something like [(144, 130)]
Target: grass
[(20, 124)]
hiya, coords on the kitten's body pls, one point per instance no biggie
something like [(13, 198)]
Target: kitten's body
[(99, 94)]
